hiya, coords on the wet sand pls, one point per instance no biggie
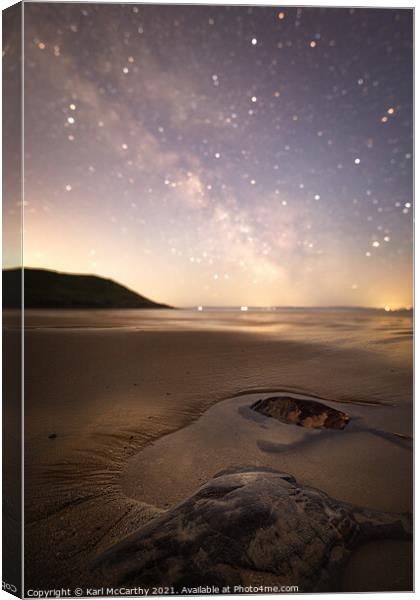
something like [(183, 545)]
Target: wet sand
[(147, 405)]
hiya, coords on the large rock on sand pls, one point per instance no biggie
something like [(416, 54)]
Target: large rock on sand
[(244, 525)]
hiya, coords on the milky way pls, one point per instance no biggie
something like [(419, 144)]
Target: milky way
[(222, 155)]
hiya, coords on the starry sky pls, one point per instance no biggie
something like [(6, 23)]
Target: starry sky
[(210, 155)]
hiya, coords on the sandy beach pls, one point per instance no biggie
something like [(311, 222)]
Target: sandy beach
[(128, 412)]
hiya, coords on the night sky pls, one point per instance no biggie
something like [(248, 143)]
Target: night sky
[(222, 155)]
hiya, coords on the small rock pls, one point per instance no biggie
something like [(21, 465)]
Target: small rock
[(304, 413)]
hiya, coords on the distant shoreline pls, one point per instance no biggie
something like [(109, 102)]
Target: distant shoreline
[(47, 289), (234, 309)]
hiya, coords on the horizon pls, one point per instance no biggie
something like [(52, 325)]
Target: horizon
[(213, 155), (241, 307)]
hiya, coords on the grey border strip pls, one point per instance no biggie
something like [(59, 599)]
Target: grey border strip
[(23, 301)]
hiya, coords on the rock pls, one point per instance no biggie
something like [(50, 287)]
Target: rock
[(248, 521), (305, 413)]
